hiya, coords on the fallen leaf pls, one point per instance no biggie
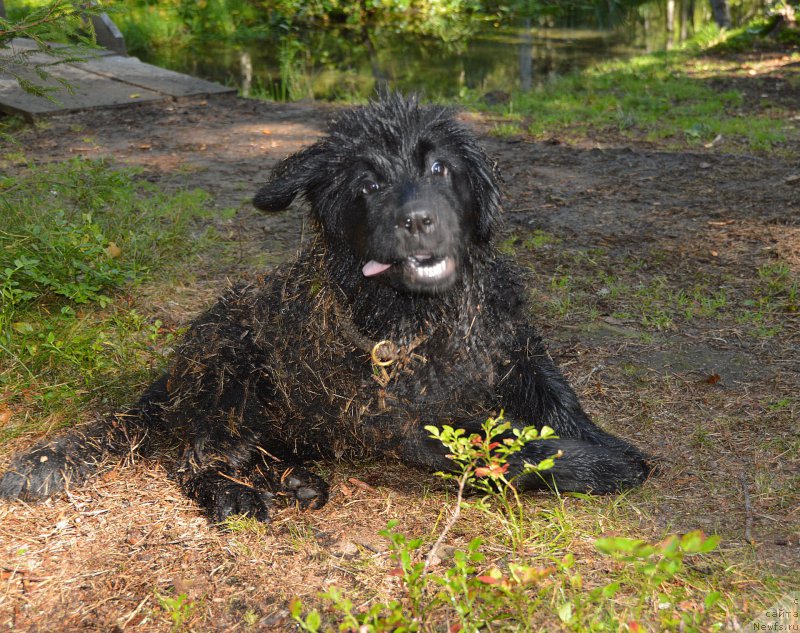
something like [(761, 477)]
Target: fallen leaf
[(344, 549), (5, 415), (113, 251), (705, 165), (23, 327), (134, 95), (793, 178), (713, 379), (714, 254)]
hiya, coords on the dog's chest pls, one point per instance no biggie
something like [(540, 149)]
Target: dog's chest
[(352, 399)]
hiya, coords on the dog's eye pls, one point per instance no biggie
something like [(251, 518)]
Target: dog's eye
[(369, 187), (439, 169)]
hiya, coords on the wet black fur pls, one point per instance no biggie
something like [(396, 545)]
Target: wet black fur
[(279, 372)]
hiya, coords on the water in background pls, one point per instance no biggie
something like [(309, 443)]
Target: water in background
[(339, 64)]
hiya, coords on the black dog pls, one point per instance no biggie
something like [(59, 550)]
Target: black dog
[(400, 314)]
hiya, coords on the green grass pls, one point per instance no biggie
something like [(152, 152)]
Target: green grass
[(654, 97), (628, 290), (549, 572), (77, 239)]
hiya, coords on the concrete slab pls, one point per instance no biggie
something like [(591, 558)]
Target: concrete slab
[(108, 80)]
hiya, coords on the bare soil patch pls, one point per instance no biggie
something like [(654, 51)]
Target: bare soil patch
[(711, 394)]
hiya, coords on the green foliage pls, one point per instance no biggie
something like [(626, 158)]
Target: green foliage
[(482, 460), (481, 463), (764, 31), (175, 21), (652, 97), (658, 562), (179, 609), (460, 594), (656, 565), (76, 236), (78, 229), (648, 584), (67, 258)]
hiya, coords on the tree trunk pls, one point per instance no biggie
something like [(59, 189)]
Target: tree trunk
[(670, 23), (526, 57), (722, 13), (687, 19), (246, 65), (381, 78)]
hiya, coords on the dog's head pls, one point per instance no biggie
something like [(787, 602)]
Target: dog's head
[(404, 189)]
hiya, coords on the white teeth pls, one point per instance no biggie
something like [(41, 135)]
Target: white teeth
[(431, 272)]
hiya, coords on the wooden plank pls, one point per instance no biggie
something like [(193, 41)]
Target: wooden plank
[(107, 80), (24, 44), (135, 72), (90, 90)]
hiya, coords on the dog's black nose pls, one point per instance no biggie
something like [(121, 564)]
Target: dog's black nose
[(418, 221)]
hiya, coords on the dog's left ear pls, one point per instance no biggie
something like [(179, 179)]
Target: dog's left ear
[(484, 181), (291, 177)]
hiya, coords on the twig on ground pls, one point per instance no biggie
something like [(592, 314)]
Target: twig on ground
[(450, 523), (748, 511)]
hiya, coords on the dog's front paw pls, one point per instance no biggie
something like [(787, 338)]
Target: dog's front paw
[(303, 488), (44, 471), (231, 499)]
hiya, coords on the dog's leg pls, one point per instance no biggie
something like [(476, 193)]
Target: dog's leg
[(535, 393), (237, 478), (291, 482), (582, 466), (71, 458), (221, 495)]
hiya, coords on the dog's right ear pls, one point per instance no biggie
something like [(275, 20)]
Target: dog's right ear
[(294, 175)]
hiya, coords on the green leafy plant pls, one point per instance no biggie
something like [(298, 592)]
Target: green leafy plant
[(468, 593), (482, 463), (69, 258), (178, 608), (658, 564), (649, 585), (76, 237)]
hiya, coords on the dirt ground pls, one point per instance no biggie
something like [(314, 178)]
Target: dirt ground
[(712, 399)]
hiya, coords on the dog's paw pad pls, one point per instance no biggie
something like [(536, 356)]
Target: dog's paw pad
[(304, 488), (241, 500), (36, 475)]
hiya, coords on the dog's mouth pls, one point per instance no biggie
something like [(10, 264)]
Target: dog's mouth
[(420, 270)]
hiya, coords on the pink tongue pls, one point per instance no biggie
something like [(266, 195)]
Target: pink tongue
[(372, 268)]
